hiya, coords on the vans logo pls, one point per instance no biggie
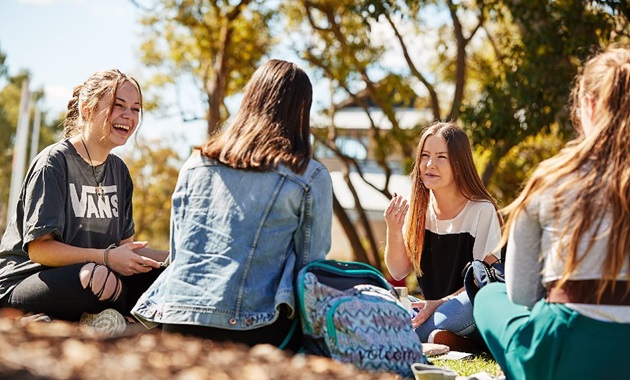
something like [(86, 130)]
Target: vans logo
[(87, 203)]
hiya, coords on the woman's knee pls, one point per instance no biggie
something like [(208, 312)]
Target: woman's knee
[(488, 297), (101, 281)]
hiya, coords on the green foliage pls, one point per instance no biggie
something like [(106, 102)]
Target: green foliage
[(10, 96), (3, 66), (217, 45), (154, 168), (519, 163), (501, 68), (538, 46)]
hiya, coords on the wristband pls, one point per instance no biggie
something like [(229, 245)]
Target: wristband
[(106, 254)]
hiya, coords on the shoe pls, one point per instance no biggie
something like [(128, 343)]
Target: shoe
[(107, 322), (453, 341), (434, 349), (40, 317)]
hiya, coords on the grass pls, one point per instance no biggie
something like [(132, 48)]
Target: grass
[(471, 365)]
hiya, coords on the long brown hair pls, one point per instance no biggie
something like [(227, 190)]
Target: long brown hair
[(100, 85), (272, 126), (594, 170), (466, 179)]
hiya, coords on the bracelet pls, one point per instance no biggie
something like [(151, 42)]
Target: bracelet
[(106, 253)]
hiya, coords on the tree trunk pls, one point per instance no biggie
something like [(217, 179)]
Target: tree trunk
[(355, 242), (217, 88), (372, 253), (500, 150)]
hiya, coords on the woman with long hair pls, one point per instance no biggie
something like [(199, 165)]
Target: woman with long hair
[(564, 311), (450, 220), (250, 209), (68, 252)]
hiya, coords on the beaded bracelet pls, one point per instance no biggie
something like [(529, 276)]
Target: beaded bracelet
[(106, 253)]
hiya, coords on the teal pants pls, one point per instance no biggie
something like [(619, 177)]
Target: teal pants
[(550, 341)]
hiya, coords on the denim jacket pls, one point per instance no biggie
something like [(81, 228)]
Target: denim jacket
[(238, 239)]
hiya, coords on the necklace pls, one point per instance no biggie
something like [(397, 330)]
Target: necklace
[(99, 189)]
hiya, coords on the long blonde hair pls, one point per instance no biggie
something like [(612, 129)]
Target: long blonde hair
[(466, 179), (596, 168)]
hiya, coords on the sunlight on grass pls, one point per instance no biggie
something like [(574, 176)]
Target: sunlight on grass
[(470, 366)]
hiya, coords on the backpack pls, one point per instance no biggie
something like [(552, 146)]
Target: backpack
[(478, 274), (349, 312)]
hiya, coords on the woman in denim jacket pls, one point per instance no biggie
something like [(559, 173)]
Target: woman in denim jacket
[(250, 209)]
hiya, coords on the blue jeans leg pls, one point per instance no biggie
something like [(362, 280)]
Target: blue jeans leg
[(454, 315)]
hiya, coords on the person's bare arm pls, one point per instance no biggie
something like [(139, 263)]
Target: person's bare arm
[(396, 257), (156, 254), (426, 308), (50, 252)]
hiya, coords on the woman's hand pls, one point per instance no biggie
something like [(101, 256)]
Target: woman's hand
[(395, 212), (425, 310), (396, 257), (126, 261)]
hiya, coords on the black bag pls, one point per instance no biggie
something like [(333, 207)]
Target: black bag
[(478, 274)]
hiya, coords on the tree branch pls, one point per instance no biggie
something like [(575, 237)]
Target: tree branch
[(435, 104)]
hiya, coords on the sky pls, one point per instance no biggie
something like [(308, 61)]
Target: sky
[(62, 42)]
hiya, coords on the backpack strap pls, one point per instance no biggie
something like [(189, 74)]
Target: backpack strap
[(290, 334)]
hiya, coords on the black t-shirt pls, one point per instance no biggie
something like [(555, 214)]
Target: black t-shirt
[(59, 196)]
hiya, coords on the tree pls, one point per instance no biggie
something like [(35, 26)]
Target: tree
[(340, 40), (501, 68), (154, 168), (519, 163), (197, 38), (10, 94), (215, 44), (537, 47)]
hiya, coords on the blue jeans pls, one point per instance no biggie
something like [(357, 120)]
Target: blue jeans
[(454, 315)]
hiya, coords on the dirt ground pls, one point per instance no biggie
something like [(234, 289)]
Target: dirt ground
[(61, 350)]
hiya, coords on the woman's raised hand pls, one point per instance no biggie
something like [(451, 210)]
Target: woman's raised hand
[(396, 211)]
